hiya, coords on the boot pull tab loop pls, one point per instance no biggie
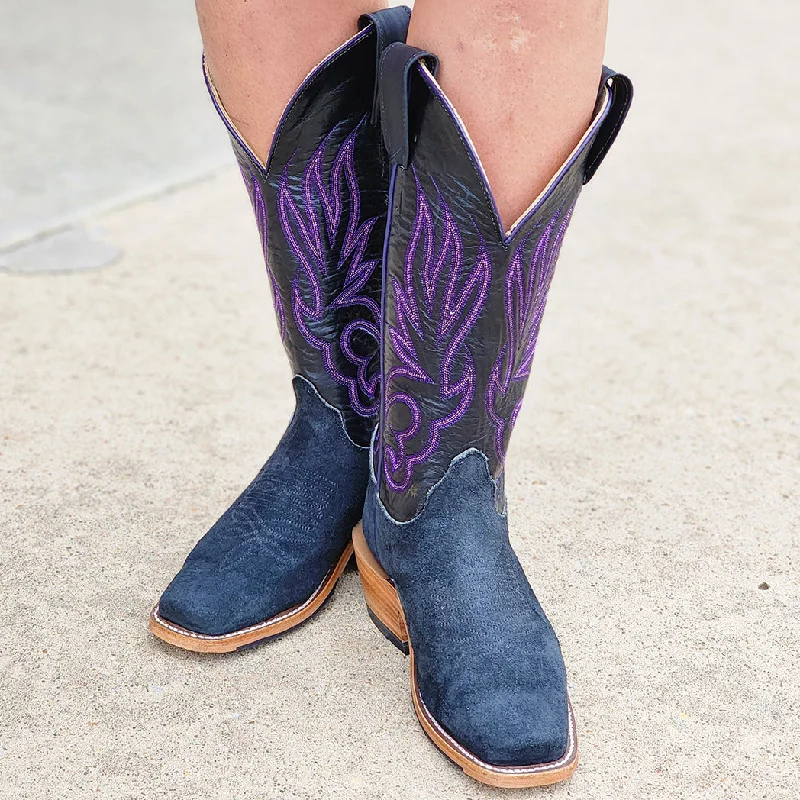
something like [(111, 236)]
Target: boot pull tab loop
[(393, 87), (621, 90), (391, 25)]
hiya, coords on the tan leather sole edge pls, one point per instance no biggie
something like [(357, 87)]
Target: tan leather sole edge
[(383, 601), (175, 635)]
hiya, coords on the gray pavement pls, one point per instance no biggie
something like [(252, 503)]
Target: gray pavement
[(653, 477), (101, 105)]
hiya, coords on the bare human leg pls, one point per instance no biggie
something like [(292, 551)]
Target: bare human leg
[(523, 76), (258, 52)]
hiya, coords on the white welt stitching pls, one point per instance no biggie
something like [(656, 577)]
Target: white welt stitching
[(272, 621), (565, 759)]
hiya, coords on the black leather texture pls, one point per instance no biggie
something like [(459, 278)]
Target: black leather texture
[(320, 203), (391, 25), (397, 61), (463, 301)]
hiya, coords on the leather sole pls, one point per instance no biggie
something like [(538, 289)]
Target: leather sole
[(386, 611), (175, 635)]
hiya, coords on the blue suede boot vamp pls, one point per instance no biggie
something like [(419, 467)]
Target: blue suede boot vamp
[(488, 664), (277, 542)]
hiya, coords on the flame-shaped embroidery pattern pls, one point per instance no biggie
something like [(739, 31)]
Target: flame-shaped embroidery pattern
[(451, 297), (526, 291), (260, 209), (312, 228)]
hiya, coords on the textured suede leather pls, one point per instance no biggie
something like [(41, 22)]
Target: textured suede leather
[(274, 546), (320, 204), (488, 663), (462, 305)]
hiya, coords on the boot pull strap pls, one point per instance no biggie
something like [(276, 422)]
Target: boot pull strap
[(393, 87), (391, 25), (621, 90)]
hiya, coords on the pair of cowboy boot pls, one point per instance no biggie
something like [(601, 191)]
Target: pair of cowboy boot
[(410, 318)]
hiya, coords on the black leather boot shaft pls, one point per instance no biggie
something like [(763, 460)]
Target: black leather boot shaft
[(463, 299), (320, 202)]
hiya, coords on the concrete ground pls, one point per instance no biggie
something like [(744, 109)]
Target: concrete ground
[(101, 105), (653, 476)]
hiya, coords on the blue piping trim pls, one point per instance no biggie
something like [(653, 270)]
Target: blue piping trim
[(384, 289)]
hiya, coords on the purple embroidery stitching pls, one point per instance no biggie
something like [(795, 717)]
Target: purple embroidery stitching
[(525, 300), (260, 208), (310, 241), (459, 294)]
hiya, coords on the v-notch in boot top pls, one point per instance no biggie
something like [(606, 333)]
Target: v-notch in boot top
[(320, 203), (463, 302)]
